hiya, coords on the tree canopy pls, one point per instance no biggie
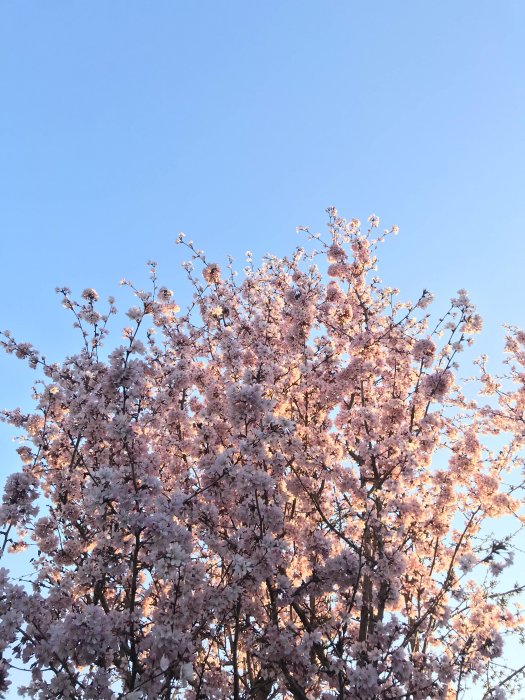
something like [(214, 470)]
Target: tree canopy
[(283, 491)]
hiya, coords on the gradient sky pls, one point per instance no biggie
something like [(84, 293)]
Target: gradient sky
[(125, 122)]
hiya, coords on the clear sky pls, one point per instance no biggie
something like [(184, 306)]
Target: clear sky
[(125, 122)]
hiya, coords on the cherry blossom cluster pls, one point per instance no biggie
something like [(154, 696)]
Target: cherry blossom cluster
[(281, 492)]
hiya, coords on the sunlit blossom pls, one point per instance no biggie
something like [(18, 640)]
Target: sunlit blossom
[(280, 493)]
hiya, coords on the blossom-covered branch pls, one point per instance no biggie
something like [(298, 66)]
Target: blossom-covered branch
[(280, 493)]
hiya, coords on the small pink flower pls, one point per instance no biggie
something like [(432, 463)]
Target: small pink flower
[(90, 295), (212, 273), (336, 254), (423, 351), (337, 270)]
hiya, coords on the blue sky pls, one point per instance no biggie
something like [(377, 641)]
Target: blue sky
[(125, 122)]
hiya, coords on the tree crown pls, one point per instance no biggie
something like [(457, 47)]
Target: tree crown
[(281, 492)]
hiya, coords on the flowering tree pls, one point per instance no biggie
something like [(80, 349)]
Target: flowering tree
[(280, 493)]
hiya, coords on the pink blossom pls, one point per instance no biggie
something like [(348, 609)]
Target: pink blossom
[(90, 295), (336, 254), (424, 351), (281, 492), (212, 273), (438, 384)]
